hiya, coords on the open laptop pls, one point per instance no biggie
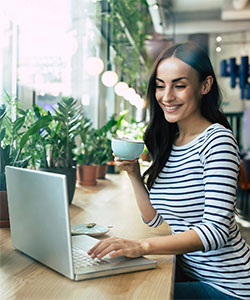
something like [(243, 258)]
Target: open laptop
[(40, 228)]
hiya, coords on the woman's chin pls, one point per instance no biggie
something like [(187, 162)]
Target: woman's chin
[(171, 119)]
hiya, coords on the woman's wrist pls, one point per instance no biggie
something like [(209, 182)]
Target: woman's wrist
[(135, 173), (145, 246)]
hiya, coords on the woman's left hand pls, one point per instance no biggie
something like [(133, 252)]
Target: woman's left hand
[(117, 247)]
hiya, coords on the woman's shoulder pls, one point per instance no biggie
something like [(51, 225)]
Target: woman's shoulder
[(218, 137), (217, 131)]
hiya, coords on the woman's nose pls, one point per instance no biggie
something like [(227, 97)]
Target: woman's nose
[(167, 95)]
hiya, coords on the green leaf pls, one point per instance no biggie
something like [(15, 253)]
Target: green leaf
[(3, 111), (2, 134), (21, 111), (37, 111), (43, 122), (18, 124), (8, 124)]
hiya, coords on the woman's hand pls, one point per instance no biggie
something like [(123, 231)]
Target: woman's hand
[(117, 247), (131, 166)]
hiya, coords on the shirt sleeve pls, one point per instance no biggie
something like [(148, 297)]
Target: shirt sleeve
[(220, 159), (156, 221)]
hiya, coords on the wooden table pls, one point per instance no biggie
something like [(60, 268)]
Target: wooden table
[(110, 202)]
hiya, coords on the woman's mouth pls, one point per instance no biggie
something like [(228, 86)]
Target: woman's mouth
[(171, 108)]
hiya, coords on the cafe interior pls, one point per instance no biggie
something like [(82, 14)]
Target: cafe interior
[(77, 70)]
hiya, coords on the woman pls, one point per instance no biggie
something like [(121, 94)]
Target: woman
[(191, 183)]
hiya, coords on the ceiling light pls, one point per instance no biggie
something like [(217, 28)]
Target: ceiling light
[(156, 16), (120, 88), (140, 104), (94, 66), (135, 99), (129, 94), (218, 49), (218, 38), (109, 78)]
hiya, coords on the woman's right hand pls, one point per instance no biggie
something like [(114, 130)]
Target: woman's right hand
[(131, 166)]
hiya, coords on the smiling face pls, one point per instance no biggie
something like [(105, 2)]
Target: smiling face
[(178, 90)]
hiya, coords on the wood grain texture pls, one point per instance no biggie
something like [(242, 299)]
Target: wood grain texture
[(111, 202)]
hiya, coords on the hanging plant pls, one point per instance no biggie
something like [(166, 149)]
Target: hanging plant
[(130, 22)]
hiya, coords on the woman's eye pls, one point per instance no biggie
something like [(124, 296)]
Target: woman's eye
[(180, 86), (159, 86)]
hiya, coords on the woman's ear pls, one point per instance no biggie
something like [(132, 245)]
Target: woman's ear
[(207, 85)]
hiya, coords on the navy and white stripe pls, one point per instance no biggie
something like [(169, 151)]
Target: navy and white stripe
[(197, 190)]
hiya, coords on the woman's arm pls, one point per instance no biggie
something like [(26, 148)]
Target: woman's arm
[(180, 243), (141, 194)]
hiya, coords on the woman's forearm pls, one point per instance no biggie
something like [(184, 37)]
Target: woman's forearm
[(142, 199), (180, 243)]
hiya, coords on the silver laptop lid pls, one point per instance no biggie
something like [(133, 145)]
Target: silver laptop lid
[(39, 217)]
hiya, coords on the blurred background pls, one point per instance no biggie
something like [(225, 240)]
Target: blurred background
[(55, 48), (100, 52)]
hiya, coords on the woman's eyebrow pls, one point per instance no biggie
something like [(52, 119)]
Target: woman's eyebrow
[(179, 78), (159, 80), (173, 80)]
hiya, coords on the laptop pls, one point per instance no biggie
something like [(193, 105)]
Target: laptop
[(40, 228)]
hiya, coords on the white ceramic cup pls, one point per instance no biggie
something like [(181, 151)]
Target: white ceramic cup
[(126, 148)]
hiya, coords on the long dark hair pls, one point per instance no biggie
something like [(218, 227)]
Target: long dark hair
[(160, 134)]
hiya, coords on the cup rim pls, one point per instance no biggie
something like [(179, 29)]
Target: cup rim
[(128, 140)]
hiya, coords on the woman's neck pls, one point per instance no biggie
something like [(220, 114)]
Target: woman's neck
[(190, 130)]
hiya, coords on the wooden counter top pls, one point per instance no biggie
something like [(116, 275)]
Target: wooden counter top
[(111, 202)]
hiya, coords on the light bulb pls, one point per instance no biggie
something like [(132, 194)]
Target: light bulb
[(109, 78), (135, 99), (120, 88), (218, 49), (94, 66), (140, 104), (218, 38), (129, 94)]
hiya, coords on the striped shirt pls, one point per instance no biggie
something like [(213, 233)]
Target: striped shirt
[(196, 189)]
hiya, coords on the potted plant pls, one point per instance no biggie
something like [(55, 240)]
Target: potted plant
[(86, 155), (95, 150), (103, 153), (13, 138), (52, 147)]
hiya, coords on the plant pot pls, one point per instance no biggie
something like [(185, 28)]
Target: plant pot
[(86, 175), (4, 211), (101, 171), (71, 179)]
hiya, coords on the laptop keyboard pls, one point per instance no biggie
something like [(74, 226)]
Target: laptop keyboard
[(81, 259)]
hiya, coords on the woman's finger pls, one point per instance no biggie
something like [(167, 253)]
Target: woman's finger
[(100, 247), (91, 250), (105, 247), (117, 247), (125, 160)]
